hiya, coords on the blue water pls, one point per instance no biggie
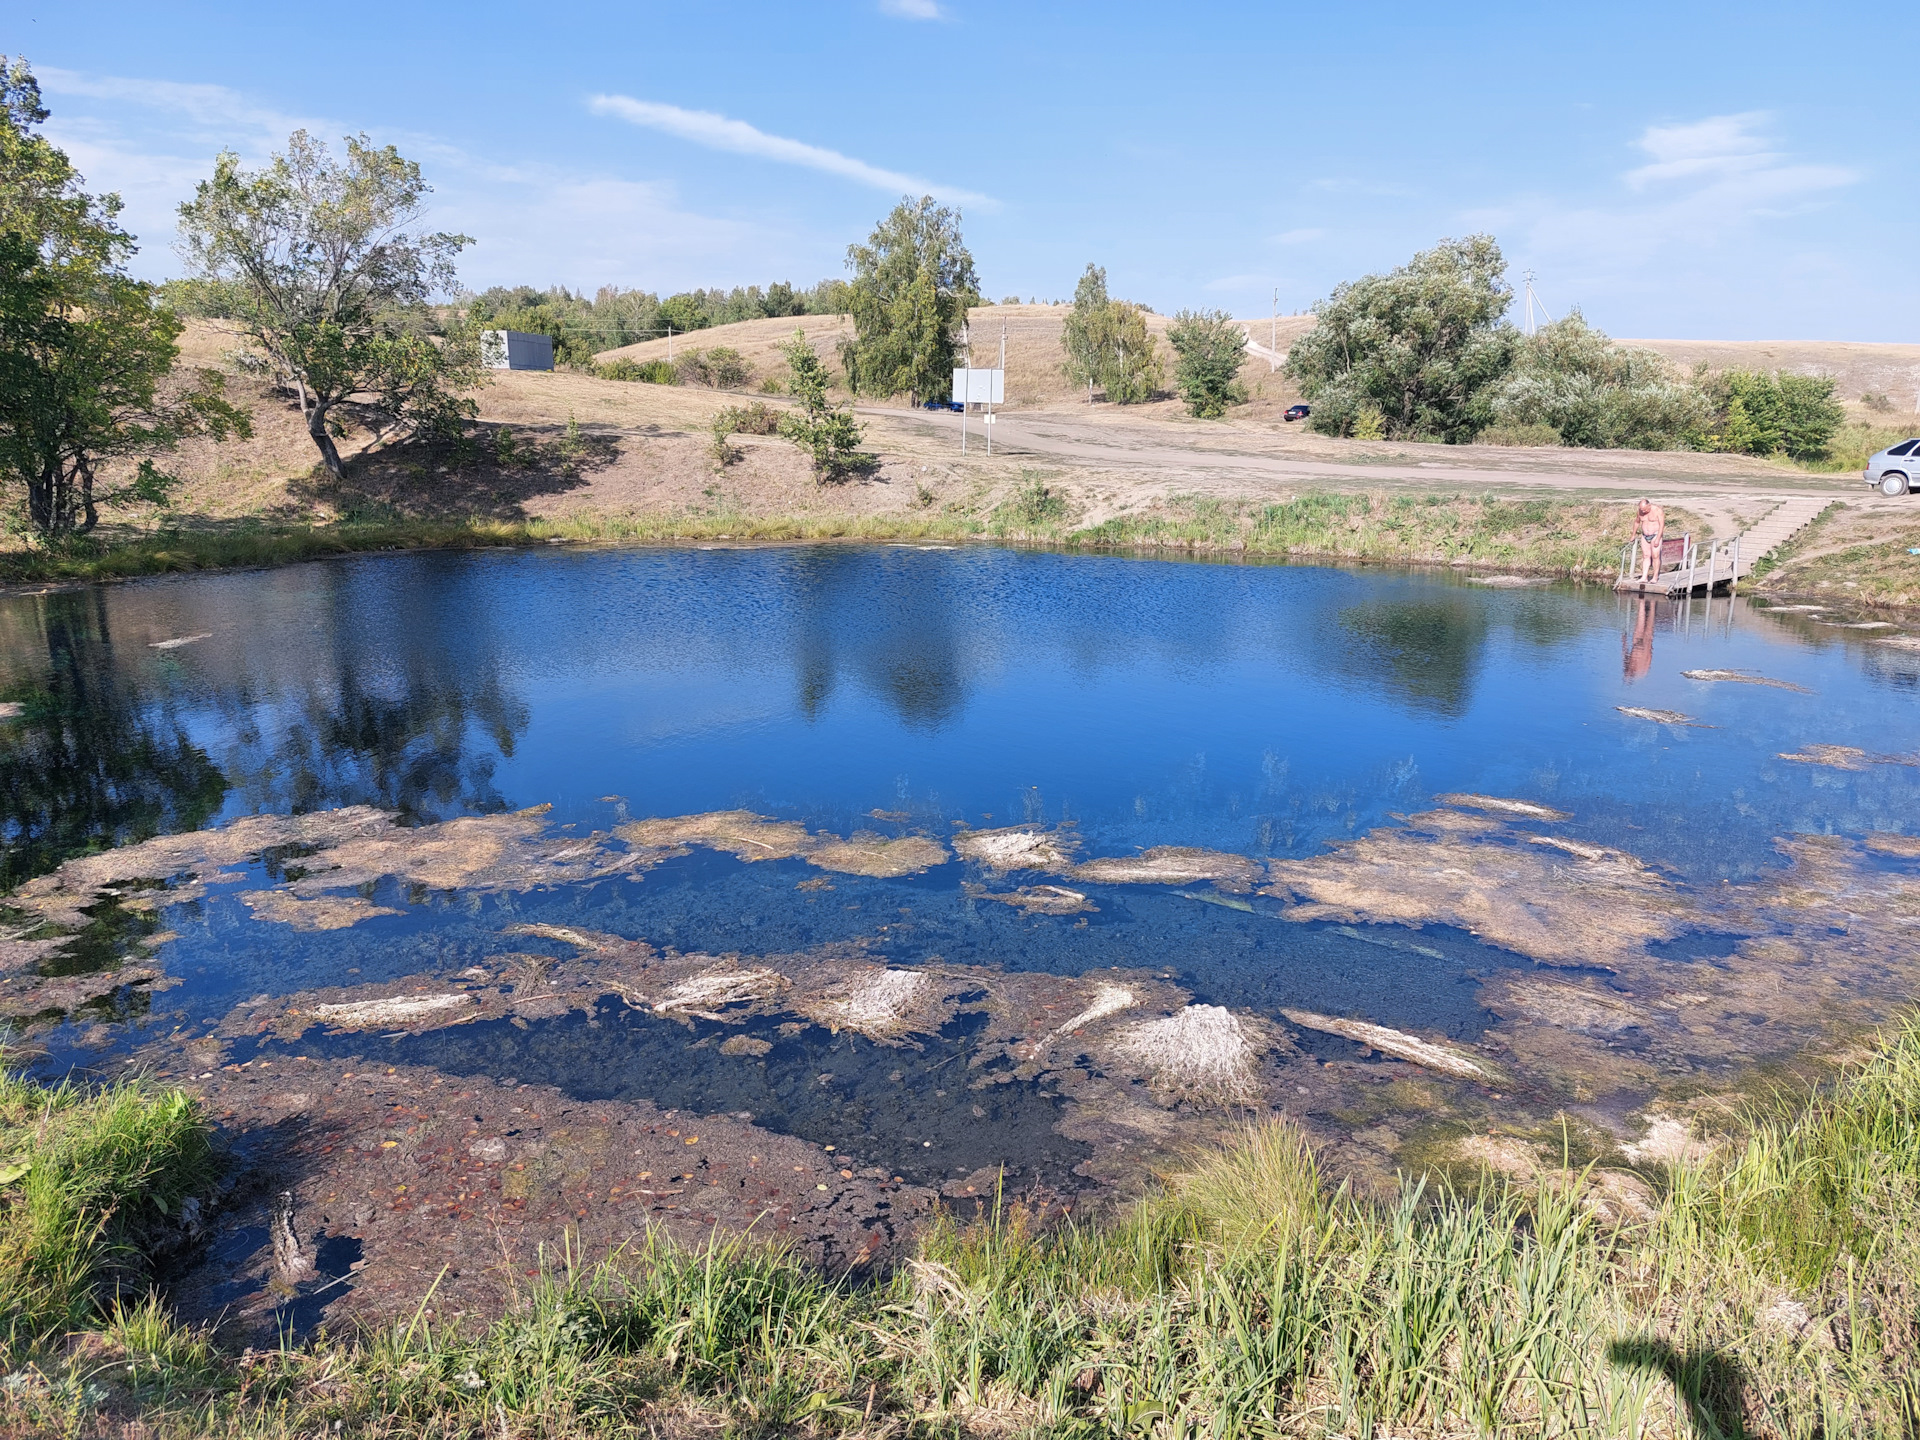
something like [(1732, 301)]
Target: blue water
[(1257, 708), (1264, 709)]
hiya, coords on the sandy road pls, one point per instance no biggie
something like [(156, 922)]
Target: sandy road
[(1251, 461)]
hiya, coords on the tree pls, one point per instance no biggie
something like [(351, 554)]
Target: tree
[(1422, 344), (86, 355), (1108, 344), (1593, 392), (1082, 339), (1210, 348), (336, 280), (827, 432), (1755, 413), (913, 283)]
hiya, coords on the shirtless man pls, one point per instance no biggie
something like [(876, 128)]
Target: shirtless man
[(1652, 530)]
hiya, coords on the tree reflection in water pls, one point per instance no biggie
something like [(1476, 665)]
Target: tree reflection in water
[(91, 762)]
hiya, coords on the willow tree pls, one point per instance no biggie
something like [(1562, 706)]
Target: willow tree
[(88, 391), (913, 282), (335, 274)]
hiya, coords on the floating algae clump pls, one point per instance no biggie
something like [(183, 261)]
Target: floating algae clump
[(391, 1010), (1202, 1052), (1499, 804), (880, 1004), (321, 912), (1663, 717), (1743, 677), (1394, 1042), (714, 989), (1586, 905), (870, 854), (747, 836), (1018, 847), (1172, 865), (1107, 1000), (1844, 757)]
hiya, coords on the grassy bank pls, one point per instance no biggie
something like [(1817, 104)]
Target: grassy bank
[(1543, 536), (1771, 1290)]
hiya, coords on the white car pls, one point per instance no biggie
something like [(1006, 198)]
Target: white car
[(1896, 469)]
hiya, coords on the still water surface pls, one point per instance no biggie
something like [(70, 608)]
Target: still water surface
[(1253, 708)]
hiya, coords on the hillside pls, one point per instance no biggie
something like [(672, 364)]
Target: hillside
[(1034, 357)]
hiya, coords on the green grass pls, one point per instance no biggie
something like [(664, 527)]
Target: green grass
[(1550, 536), (1773, 1291), (92, 1177)]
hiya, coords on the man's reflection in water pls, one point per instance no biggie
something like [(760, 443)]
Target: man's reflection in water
[(1636, 650)]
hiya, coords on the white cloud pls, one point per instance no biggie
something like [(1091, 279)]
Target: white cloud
[(1297, 237), (911, 9), (152, 141), (718, 132)]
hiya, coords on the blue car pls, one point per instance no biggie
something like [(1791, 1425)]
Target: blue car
[(953, 405)]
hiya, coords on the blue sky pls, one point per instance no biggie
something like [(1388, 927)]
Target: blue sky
[(1676, 170)]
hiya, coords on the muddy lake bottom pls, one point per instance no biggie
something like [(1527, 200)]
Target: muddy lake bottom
[(800, 891)]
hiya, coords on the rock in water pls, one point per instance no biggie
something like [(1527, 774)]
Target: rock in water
[(290, 1260)]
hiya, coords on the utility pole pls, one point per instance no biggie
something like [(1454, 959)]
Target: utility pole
[(669, 342), (1003, 381)]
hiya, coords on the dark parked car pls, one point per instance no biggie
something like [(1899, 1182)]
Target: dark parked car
[(953, 405), (1297, 412)]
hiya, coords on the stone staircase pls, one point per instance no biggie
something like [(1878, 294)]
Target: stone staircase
[(1775, 528)]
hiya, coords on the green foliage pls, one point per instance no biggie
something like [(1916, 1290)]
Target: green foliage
[(1108, 344), (89, 1181), (85, 353), (1423, 344), (826, 431), (913, 281), (1754, 413), (581, 328), (334, 283), (756, 418), (653, 372), (728, 367), (1209, 347), (1591, 392), (1034, 506)]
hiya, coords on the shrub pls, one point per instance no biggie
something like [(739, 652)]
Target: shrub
[(1520, 435), (690, 368), (827, 432), (1877, 401), (753, 419), (1755, 413), (1207, 374), (727, 368), (1591, 392)]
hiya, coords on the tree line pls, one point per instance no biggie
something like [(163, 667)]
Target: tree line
[(1425, 352)]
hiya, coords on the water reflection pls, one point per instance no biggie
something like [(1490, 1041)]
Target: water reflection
[(1636, 649), (92, 760)]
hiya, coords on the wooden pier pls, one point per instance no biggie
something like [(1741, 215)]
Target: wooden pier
[(1687, 570)]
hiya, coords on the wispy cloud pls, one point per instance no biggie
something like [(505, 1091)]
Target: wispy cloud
[(153, 140), (1297, 237), (911, 9), (719, 132), (1728, 156)]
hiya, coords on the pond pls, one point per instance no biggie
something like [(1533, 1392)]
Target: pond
[(982, 866)]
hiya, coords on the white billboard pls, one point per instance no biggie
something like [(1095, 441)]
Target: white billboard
[(980, 387)]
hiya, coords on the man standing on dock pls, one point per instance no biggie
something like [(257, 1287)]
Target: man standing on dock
[(1653, 530)]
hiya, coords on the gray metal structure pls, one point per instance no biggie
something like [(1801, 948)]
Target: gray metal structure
[(515, 350)]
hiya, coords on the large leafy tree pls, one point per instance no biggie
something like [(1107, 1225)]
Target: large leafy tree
[(1418, 347), (87, 387), (913, 282), (334, 273), (1108, 344)]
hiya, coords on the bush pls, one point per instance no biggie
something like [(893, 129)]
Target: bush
[(753, 419), (1210, 348), (1755, 413), (1591, 392), (728, 368), (1877, 401), (690, 368), (1520, 435)]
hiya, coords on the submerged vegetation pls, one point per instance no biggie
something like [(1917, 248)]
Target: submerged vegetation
[(1767, 1289)]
